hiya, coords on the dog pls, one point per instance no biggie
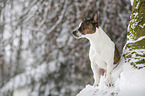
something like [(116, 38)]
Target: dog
[(103, 53)]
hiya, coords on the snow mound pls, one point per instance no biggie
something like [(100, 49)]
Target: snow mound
[(101, 90), (130, 83)]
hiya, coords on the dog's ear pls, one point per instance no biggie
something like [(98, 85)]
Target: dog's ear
[(95, 19)]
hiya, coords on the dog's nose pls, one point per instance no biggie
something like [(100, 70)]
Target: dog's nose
[(77, 34)]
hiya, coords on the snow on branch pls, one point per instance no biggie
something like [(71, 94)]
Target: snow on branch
[(26, 78), (131, 1), (139, 39), (60, 18)]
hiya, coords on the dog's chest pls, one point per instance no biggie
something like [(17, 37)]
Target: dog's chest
[(97, 55), (101, 49), (100, 42)]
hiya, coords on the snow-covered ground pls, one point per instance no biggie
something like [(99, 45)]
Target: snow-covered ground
[(131, 82), (21, 92)]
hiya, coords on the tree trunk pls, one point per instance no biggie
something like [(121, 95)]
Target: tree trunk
[(135, 46)]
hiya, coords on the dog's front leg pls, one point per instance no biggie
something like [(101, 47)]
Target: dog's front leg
[(108, 74), (96, 73), (94, 66)]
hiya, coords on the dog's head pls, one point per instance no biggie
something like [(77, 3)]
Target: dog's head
[(87, 26)]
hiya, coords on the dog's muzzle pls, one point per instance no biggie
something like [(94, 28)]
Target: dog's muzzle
[(77, 34)]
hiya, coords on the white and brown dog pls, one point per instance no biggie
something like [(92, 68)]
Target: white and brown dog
[(103, 54)]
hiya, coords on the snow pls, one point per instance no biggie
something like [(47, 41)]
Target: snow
[(25, 79), (52, 66), (134, 41), (130, 83), (142, 26), (135, 58), (131, 1), (101, 90), (137, 5), (60, 18), (135, 15), (21, 92)]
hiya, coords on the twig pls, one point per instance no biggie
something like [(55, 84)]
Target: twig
[(60, 18)]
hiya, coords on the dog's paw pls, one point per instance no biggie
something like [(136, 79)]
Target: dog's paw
[(108, 83), (96, 84)]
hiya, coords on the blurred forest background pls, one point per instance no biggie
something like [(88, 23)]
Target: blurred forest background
[(37, 50)]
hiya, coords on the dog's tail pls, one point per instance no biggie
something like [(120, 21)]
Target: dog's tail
[(116, 65)]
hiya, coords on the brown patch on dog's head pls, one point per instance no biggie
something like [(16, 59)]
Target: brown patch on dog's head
[(87, 26)]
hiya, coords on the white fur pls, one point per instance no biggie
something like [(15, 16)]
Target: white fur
[(101, 54)]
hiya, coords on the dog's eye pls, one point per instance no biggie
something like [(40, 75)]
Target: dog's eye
[(83, 26), (83, 33)]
